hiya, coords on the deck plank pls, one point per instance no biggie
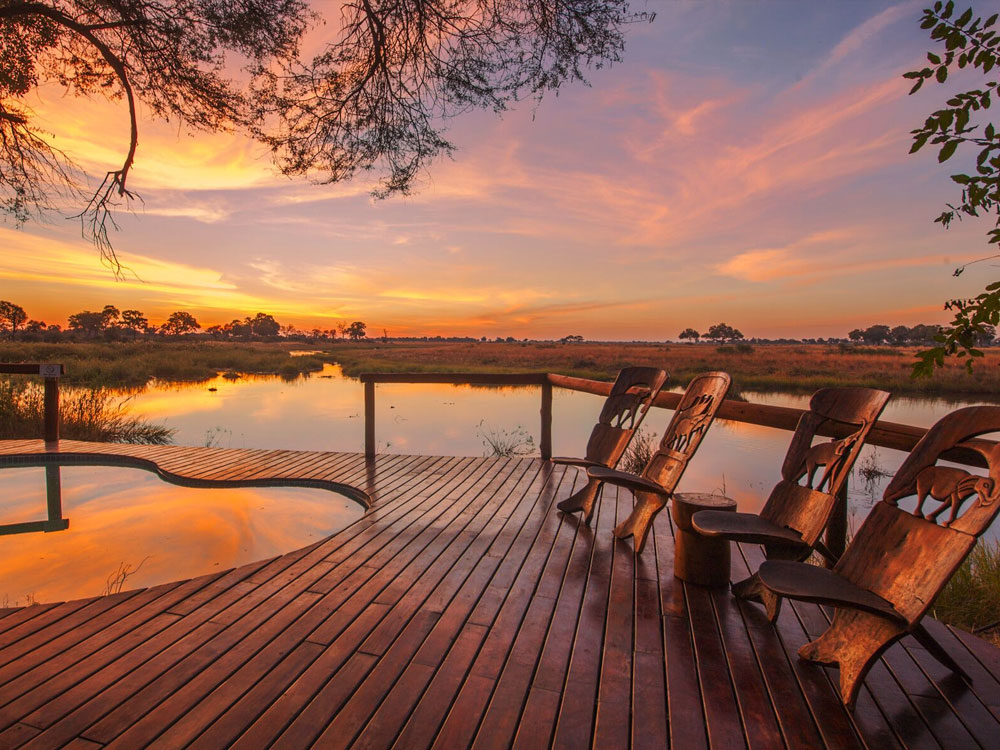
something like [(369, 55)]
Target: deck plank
[(460, 609)]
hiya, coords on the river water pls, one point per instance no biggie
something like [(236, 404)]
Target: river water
[(325, 411), (134, 520)]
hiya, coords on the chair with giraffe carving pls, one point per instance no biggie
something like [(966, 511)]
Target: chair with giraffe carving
[(653, 488), (795, 515), (631, 395), (900, 560)]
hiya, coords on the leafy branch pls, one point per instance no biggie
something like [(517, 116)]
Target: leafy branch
[(969, 42)]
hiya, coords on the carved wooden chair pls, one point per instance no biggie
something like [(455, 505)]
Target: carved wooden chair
[(631, 395), (795, 515), (652, 488), (899, 561)]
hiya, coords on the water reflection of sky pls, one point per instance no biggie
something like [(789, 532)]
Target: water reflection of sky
[(124, 516), (325, 411)]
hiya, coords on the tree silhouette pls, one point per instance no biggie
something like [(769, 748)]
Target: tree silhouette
[(356, 330), (375, 98), (723, 332), (178, 323), (12, 316), (134, 321), (87, 322)]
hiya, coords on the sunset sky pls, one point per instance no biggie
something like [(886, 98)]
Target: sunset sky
[(746, 162)]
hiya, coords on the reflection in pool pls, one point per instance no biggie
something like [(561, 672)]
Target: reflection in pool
[(78, 531)]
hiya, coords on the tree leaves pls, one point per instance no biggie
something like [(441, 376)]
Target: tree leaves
[(947, 150), (967, 41)]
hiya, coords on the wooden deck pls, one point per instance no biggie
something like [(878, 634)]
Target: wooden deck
[(462, 609)]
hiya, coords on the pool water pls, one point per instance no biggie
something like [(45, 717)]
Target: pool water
[(125, 528)]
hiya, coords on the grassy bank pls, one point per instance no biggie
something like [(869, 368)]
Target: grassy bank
[(753, 367), (762, 367), (84, 414), (134, 364)]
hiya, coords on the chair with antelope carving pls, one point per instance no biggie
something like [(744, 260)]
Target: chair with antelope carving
[(795, 515), (631, 395), (659, 478), (900, 560)]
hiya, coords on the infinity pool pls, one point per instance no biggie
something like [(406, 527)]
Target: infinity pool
[(75, 531)]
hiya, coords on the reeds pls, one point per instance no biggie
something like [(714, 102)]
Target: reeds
[(84, 414), (641, 448), (971, 600)]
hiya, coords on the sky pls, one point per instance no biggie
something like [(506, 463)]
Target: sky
[(747, 162)]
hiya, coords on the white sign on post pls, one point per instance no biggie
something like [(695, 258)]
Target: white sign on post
[(50, 371)]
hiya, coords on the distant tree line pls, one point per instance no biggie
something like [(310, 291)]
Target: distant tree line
[(918, 335), (112, 324)]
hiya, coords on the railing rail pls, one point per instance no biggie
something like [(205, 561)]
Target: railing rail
[(51, 373)]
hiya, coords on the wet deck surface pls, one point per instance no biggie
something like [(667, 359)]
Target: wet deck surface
[(462, 609)]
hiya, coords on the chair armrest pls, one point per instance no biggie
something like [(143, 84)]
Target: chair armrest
[(624, 479), (811, 583), (748, 528), (569, 461)]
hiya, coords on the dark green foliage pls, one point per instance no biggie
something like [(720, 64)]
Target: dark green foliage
[(969, 42)]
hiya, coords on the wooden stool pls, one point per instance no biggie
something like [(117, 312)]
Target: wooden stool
[(699, 559)]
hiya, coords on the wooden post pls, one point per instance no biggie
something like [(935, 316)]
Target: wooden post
[(53, 492), (369, 420), (51, 410), (545, 443), (836, 530)]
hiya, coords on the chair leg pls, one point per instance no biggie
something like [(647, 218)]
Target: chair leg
[(582, 500), (640, 520), (854, 641), (936, 650), (753, 589)]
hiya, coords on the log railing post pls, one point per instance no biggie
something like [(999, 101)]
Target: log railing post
[(836, 529), (545, 442), (369, 420), (51, 410)]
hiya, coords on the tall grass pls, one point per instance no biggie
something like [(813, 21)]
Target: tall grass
[(84, 414), (501, 443), (971, 600), (639, 451)]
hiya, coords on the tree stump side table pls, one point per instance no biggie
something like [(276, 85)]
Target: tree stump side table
[(699, 559)]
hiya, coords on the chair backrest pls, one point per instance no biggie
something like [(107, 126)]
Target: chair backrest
[(691, 420), (631, 395), (907, 557), (806, 506)]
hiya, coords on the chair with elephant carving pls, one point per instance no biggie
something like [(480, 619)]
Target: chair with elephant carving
[(659, 478), (900, 560), (795, 515), (631, 395)]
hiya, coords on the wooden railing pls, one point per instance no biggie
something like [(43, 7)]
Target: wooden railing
[(51, 374), (892, 435)]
